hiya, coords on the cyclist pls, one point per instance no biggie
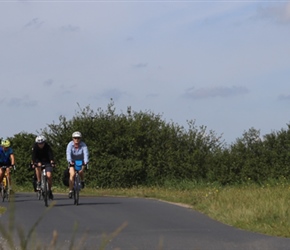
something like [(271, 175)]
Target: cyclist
[(6, 159), (42, 154), (76, 150)]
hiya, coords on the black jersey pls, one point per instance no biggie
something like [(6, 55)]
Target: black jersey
[(42, 155)]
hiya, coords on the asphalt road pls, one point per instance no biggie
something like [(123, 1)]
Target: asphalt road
[(127, 224)]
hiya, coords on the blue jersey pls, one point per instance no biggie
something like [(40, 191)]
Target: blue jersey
[(5, 156)]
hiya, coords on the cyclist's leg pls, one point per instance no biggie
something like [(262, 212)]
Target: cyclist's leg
[(2, 173), (49, 180), (82, 176), (49, 176), (8, 170), (38, 177), (72, 173)]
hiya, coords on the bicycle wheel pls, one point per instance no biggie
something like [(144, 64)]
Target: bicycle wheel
[(76, 189), (39, 194), (2, 192), (7, 189), (45, 191)]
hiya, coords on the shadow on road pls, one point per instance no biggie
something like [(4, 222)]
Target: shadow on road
[(87, 204)]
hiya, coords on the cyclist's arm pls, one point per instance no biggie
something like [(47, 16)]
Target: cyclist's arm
[(12, 159), (50, 154), (34, 155), (68, 152), (86, 154)]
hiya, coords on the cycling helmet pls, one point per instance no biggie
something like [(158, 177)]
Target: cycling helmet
[(5, 143), (76, 134), (40, 139)]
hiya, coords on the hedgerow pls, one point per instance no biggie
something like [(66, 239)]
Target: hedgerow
[(140, 148)]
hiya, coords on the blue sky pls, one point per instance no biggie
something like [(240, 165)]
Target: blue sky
[(224, 64)]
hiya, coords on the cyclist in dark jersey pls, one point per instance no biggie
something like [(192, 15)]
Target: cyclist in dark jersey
[(42, 155)]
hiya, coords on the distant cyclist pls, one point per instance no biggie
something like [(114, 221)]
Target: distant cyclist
[(76, 150), (6, 159), (42, 155)]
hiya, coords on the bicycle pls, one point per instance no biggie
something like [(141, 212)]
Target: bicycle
[(5, 185), (43, 192), (77, 181)]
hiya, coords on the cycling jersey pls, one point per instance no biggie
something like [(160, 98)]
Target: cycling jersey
[(43, 155), (5, 156), (80, 153)]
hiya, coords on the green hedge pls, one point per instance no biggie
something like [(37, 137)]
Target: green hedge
[(140, 148)]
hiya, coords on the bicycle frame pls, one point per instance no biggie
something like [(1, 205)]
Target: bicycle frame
[(77, 188), (5, 185), (77, 181), (43, 192)]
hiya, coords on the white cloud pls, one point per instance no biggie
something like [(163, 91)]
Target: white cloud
[(284, 97), (48, 82), (24, 101), (70, 28), (279, 12), (114, 94), (213, 92)]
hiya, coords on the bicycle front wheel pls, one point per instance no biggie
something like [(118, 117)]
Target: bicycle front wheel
[(39, 194), (3, 192), (45, 192), (7, 188), (76, 190)]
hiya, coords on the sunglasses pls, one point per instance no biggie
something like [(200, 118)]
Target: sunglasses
[(76, 138)]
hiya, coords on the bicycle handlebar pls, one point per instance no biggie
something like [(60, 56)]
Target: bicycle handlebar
[(35, 165), (72, 164), (12, 166)]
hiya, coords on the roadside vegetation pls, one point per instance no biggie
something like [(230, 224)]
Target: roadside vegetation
[(245, 184)]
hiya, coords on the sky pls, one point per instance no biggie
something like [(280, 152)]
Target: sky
[(223, 64)]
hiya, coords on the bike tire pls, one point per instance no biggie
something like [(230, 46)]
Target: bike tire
[(77, 190), (2, 192), (7, 189), (39, 194), (45, 192), (77, 197)]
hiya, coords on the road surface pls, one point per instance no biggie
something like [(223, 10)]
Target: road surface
[(126, 224)]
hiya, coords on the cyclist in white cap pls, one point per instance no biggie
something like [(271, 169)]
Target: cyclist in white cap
[(76, 150)]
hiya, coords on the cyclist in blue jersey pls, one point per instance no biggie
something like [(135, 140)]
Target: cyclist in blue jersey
[(6, 159), (76, 150)]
